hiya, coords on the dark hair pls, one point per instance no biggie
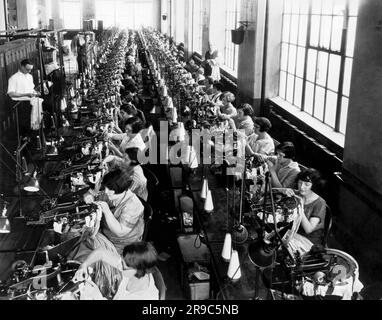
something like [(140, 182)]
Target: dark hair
[(133, 155), (313, 176), (247, 109), (26, 62), (264, 123), (288, 149), (229, 95), (141, 256), (135, 123), (117, 181), (218, 86), (210, 80), (129, 109)]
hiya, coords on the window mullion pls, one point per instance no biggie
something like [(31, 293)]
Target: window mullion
[(309, 27), (315, 73), (327, 69), (295, 65), (342, 68)]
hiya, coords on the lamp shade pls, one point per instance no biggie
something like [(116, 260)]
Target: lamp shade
[(261, 254), (238, 36), (31, 184), (240, 234)]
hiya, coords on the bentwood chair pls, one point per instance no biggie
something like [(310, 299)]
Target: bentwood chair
[(159, 283), (147, 216)]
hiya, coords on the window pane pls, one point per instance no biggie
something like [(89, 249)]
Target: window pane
[(344, 115), (319, 101), (309, 88), (284, 56), (292, 59), (304, 7), (337, 33), (353, 7), (327, 6), (286, 28), (282, 84), (294, 29), (302, 30), (334, 72), (322, 68), (326, 24), (290, 88), (300, 61), (71, 14), (298, 92), (295, 6), (351, 36), (316, 6), (287, 6), (315, 31), (339, 7), (347, 76), (331, 108), (311, 65)]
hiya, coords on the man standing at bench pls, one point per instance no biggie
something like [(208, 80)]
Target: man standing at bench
[(22, 88)]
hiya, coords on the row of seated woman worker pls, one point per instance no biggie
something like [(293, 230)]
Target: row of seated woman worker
[(285, 173), (121, 265)]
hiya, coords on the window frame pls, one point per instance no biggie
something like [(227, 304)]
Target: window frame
[(62, 16), (231, 51), (319, 49)]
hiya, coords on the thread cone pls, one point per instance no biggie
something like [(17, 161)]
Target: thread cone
[(227, 248), (234, 270)]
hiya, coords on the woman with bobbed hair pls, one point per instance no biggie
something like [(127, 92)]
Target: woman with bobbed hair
[(130, 139), (312, 227), (285, 171), (134, 277), (243, 121), (130, 164), (260, 142), (227, 110)]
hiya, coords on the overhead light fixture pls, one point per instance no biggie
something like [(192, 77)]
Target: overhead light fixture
[(31, 183), (261, 254)]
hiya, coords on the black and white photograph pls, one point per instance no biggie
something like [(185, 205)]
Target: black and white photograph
[(195, 157)]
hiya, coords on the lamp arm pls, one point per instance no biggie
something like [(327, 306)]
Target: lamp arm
[(17, 151)]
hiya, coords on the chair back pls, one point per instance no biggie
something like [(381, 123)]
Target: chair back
[(147, 217), (152, 184), (327, 225), (159, 283)]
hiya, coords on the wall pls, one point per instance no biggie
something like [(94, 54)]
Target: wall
[(251, 53), (364, 130)]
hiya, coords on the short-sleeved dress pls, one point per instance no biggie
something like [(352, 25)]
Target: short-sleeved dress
[(315, 209), (130, 214)]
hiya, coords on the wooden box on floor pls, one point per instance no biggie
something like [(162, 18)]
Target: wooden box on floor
[(193, 288), (193, 251)]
